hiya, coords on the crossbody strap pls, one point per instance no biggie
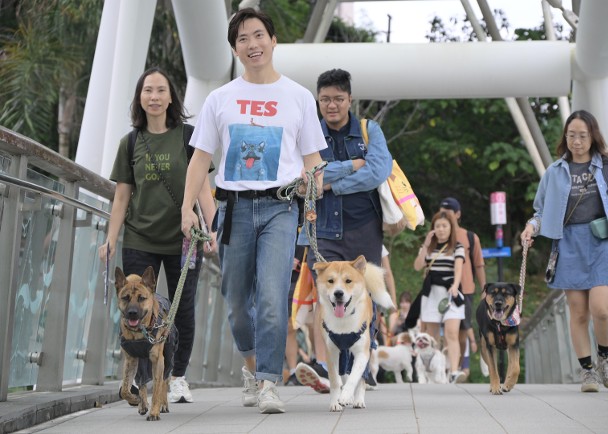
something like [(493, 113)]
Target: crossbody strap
[(436, 256), (160, 174), (583, 191)]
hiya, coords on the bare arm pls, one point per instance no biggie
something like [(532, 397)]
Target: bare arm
[(207, 203), (310, 161), (457, 276), (420, 261), (122, 196), (389, 278), (195, 179)]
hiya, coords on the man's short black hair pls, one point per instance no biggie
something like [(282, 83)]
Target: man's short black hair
[(247, 14), (334, 77)]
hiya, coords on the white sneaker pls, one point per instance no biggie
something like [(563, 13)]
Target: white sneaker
[(268, 399), (250, 389), (179, 391), (457, 377)]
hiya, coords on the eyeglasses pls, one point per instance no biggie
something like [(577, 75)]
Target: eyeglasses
[(573, 136), (338, 100)]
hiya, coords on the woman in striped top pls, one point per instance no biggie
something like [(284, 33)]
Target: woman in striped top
[(442, 256)]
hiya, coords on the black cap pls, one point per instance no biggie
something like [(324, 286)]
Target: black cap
[(450, 203)]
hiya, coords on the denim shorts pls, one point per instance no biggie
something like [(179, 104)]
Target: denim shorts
[(582, 260)]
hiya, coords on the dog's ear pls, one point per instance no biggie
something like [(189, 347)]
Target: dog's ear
[(359, 264), (119, 279), (516, 288), (320, 266), (487, 286), (148, 278)]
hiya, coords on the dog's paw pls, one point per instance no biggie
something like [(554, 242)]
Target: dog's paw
[(164, 408), (359, 404), (335, 406), (153, 417), (495, 390), (506, 388), (346, 398)]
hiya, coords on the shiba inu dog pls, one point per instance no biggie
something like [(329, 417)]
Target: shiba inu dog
[(346, 291)]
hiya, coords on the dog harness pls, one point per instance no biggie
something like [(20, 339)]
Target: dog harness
[(344, 341), (140, 348)]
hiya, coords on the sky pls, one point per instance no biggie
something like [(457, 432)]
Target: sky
[(410, 19)]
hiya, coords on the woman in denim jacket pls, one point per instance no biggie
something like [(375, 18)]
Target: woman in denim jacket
[(571, 194)]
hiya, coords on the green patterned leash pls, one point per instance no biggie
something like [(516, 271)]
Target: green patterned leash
[(196, 235)]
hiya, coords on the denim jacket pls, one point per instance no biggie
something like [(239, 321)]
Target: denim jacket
[(344, 180), (551, 198)]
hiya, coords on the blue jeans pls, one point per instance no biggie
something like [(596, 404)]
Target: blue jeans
[(256, 274)]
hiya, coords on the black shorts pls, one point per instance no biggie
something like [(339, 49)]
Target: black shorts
[(466, 323)]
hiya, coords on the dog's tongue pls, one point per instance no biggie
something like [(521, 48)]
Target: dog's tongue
[(249, 162), (339, 310), (133, 322), (498, 314)]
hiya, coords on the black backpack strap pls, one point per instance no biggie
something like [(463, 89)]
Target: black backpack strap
[(188, 130), (131, 145), (471, 237)]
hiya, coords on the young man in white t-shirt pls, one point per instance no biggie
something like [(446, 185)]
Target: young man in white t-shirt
[(267, 129)]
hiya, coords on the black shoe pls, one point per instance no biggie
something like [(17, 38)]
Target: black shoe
[(370, 381), (292, 381), (319, 369)]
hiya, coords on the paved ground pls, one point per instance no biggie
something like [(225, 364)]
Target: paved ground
[(406, 408)]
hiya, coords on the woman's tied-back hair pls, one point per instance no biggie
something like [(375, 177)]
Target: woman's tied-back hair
[(598, 144), (334, 77), (175, 111), (452, 239), (246, 14)]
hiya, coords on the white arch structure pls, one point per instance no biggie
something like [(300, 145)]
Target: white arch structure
[(380, 71)]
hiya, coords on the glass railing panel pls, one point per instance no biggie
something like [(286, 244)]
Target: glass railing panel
[(35, 272)]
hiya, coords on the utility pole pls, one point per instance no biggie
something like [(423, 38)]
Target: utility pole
[(388, 32)]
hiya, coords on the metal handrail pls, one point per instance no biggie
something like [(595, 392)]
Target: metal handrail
[(30, 186)]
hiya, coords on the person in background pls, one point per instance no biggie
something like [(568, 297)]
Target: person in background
[(267, 130), (570, 195), (151, 213), (443, 256), (349, 215), (474, 268), (397, 318)]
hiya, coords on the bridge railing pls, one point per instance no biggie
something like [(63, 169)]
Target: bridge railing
[(55, 329)]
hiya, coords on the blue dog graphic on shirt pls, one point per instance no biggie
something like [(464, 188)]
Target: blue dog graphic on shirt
[(250, 165)]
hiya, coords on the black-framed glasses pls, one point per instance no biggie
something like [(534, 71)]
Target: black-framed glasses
[(337, 100)]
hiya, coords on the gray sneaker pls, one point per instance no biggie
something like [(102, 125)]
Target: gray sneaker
[(269, 401), (250, 389), (591, 381), (602, 369)]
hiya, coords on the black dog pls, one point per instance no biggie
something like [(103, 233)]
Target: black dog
[(495, 333)]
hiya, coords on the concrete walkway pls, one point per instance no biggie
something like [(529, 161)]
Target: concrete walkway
[(392, 408)]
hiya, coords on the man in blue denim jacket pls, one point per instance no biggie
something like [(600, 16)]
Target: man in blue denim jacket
[(349, 215)]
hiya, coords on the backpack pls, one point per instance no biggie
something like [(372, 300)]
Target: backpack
[(471, 237), (188, 130)]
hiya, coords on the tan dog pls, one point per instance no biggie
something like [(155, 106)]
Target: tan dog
[(346, 290), (142, 311)]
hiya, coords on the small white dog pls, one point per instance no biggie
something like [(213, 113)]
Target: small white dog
[(430, 361), (393, 359)]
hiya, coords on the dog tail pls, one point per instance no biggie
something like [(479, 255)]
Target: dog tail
[(376, 285)]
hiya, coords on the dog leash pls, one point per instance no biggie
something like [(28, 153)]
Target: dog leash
[(515, 318), (196, 235), (289, 192)]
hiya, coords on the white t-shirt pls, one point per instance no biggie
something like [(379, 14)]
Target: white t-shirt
[(263, 131)]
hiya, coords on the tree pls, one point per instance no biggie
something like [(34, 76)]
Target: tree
[(45, 69)]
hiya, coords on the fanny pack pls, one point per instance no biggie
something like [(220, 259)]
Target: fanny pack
[(599, 228)]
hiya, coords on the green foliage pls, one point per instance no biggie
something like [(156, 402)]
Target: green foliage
[(47, 56)]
